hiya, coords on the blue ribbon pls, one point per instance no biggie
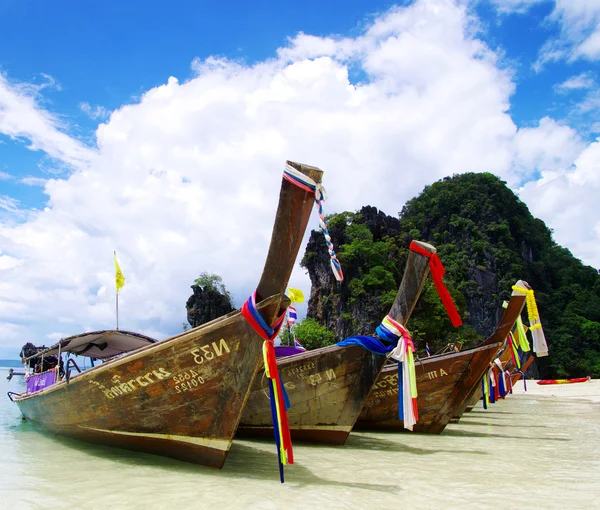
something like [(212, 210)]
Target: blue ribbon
[(400, 392), (368, 342)]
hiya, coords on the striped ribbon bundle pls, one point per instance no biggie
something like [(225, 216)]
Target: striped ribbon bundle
[(437, 272), (514, 352), (540, 346), (396, 340), (522, 341), (306, 183), (485, 389), (501, 378), (408, 410), (279, 399)]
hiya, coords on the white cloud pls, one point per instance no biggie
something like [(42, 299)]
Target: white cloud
[(21, 117), (578, 82), (518, 6), (547, 147), (187, 179), (4, 176), (95, 112), (34, 181), (7, 262), (579, 23), (570, 197)]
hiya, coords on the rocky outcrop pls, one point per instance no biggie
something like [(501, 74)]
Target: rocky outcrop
[(205, 305)]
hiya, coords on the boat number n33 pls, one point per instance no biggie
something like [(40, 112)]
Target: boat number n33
[(210, 351)]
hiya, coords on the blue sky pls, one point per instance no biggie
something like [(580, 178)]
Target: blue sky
[(93, 129)]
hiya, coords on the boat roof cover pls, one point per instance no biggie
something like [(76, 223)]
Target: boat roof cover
[(100, 344)]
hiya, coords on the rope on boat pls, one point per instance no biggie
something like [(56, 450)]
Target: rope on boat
[(306, 183), (437, 272), (395, 339), (279, 399)]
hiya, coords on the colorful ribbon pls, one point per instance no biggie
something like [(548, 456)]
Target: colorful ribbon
[(514, 353), (437, 272), (408, 410), (522, 341), (485, 390), (307, 184), (395, 339), (540, 346), (279, 399)]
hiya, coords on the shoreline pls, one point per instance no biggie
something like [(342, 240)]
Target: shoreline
[(589, 390)]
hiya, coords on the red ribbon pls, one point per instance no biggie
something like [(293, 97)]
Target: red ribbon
[(268, 333), (437, 272)]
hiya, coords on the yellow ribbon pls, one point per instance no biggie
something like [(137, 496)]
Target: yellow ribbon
[(532, 309)]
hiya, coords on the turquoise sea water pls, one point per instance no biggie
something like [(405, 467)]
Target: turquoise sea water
[(526, 452), (10, 363)]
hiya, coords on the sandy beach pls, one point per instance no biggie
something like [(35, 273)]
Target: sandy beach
[(589, 390)]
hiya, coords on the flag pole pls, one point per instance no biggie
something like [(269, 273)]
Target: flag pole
[(117, 296)]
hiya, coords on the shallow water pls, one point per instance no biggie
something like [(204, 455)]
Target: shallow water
[(526, 451)]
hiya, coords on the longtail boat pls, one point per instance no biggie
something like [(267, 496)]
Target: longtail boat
[(181, 397), (328, 387), (444, 382), (506, 358)]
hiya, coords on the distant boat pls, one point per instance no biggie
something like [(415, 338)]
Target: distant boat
[(181, 397), (565, 381)]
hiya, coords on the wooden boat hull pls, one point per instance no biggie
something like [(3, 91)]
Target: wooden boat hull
[(181, 398), (326, 387), (442, 382), (504, 327)]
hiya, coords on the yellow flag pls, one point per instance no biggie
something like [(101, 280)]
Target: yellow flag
[(295, 295), (119, 278)]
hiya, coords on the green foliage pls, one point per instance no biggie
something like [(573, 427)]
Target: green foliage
[(487, 240), (211, 281), (312, 335)]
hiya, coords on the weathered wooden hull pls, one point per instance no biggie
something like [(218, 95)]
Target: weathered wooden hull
[(442, 382), (505, 359), (326, 387), (504, 327), (181, 398)]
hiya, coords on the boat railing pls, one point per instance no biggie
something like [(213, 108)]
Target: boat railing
[(70, 363), (10, 394), (41, 380)]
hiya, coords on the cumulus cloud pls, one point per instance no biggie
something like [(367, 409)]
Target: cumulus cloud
[(568, 197), (186, 180)]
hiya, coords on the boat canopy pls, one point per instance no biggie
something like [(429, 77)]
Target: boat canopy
[(99, 344)]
